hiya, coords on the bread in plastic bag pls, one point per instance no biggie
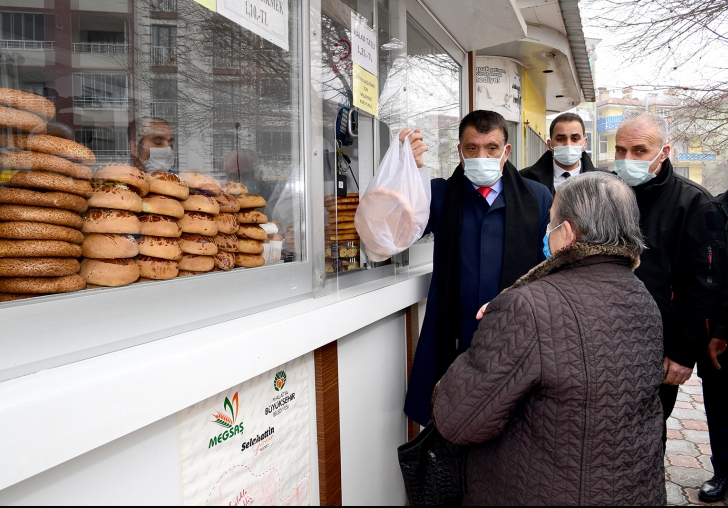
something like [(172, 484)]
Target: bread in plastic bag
[(395, 210)]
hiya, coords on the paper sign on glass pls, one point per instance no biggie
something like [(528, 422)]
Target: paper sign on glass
[(210, 4), (364, 45), (366, 91), (267, 18)]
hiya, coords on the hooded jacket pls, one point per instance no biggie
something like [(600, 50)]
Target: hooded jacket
[(684, 267), (543, 171), (557, 398)]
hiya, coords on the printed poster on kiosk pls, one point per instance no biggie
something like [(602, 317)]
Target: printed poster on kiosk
[(250, 445)]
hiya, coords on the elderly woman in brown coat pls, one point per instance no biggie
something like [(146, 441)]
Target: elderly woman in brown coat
[(557, 399)]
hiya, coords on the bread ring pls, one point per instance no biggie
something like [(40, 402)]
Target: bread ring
[(38, 214), (252, 231), (388, 212), (28, 101), (227, 243), (342, 208), (44, 162), (4, 297), (42, 285), (38, 249), (236, 189), (60, 200), (22, 121), (38, 267), (168, 184), (52, 145), (202, 182), (247, 246), (343, 226), (51, 182), (38, 231), (251, 201), (252, 217), (227, 223), (225, 261), (249, 260)]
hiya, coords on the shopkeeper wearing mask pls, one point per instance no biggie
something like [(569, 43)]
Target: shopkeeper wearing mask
[(684, 265), (566, 156), (489, 224), (155, 149)]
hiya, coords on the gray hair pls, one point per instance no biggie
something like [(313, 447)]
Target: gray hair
[(602, 209), (663, 129)]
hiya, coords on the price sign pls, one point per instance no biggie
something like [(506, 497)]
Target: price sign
[(364, 45), (267, 18)]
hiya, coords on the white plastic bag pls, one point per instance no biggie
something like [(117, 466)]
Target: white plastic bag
[(394, 212)]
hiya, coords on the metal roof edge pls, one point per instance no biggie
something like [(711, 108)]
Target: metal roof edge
[(579, 53)]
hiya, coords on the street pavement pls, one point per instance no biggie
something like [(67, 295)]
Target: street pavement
[(687, 460)]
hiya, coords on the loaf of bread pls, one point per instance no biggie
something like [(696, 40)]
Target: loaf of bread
[(51, 145)]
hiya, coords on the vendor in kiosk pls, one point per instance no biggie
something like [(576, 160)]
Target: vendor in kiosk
[(489, 224), (153, 146)]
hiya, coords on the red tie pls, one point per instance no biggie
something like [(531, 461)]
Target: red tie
[(484, 191)]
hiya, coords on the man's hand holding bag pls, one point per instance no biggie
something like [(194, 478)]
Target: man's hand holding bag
[(394, 212)]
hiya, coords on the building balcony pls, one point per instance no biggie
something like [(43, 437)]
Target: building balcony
[(100, 48), (696, 157), (166, 110), (100, 103), (164, 56), (28, 45), (107, 156), (609, 123), (164, 5)]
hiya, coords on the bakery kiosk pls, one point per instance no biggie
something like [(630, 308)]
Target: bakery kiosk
[(188, 314)]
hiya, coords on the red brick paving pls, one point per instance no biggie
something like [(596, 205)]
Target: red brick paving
[(699, 399), (684, 461), (693, 382), (694, 425), (675, 434), (683, 405), (704, 449)]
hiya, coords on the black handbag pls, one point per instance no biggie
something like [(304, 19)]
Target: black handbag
[(432, 469)]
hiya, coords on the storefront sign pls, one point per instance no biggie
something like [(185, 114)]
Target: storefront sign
[(366, 65), (498, 86), (250, 445), (267, 18)]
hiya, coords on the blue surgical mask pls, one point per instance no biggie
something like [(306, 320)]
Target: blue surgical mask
[(635, 172), (568, 155), (484, 172), (546, 247)]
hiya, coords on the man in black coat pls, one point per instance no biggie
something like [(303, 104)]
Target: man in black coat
[(565, 157), (713, 368), (684, 266)]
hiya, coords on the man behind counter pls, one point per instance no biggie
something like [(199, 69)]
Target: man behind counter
[(155, 149), (489, 224)]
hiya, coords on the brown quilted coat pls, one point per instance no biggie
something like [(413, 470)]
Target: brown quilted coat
[(558, 394)]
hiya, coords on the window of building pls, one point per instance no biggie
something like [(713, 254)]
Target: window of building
[(109, 144), (683, 171), (603, 146), (589, 145), (164, 45), (23, 26)]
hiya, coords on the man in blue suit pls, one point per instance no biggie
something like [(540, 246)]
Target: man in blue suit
[(489, 224)]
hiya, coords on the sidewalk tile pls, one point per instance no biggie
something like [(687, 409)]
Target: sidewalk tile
[(698, 398), (694, 500), (683, 405), (706, 462), (689, 414), (694, 425), (692, 390), (674, 424), (687, 477), (685, 397), (675, 434), (697, 436), (684, 461), (682, 448), (705, 449), (693, 382), (675, 495)]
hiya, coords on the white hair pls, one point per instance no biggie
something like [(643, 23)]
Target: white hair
[(663, 130)]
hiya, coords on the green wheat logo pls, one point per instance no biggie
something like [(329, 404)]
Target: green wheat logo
[(280, 381), (224, 419)]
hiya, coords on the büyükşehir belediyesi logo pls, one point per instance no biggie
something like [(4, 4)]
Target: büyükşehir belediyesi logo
[(225, 420), (280, 381)]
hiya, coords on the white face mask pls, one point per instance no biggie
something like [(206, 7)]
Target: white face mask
[(635, 172), (483, 172), (160, 159), (568, 155)]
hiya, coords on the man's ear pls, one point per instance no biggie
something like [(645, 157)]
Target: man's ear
[(586, 142), (571, 232), (548, 144), (133, 148), (666, 151)]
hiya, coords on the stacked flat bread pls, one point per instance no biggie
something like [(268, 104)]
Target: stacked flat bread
[(227, 228), (250, 235), (342, 240), (44, 190)]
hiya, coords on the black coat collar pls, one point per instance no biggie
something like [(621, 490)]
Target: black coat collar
[(543, 171)]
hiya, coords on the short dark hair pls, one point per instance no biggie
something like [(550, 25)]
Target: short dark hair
[(567, 117), (484, 122)]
